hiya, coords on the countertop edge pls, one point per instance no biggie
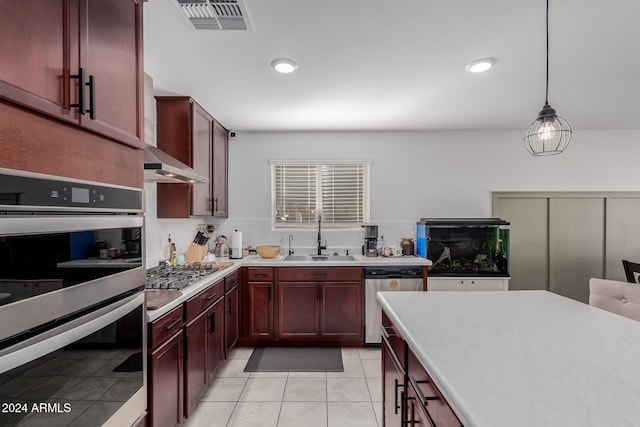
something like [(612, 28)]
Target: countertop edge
[(435, 375), (256, 261), (358, 261), (190, 291)]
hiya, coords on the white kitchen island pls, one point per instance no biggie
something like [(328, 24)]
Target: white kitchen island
[(523, 358)]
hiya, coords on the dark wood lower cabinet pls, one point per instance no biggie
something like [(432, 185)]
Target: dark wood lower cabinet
[(416, 413), (166, 383), (428, 398), (319, 310), (260, 311), (204, 336), (409, 395), (215, 337), (196, 375), (302, 305), (298, 310), (181, 366), (393, 388), (341, 310), (231, 318)]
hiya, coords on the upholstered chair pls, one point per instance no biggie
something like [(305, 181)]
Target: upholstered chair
[(622, 298)]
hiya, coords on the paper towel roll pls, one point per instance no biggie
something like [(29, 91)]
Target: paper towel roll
[(236, 245)]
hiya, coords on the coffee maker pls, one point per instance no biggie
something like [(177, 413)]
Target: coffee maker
[(370, 247)]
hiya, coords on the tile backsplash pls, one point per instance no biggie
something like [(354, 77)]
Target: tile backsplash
[(256, 231)]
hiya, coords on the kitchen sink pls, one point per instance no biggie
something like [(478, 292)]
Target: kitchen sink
[(319, 258)]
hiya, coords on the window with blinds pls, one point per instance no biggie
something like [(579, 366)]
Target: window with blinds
[(339, 190)]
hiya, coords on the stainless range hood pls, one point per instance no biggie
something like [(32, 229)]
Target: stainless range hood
[(161, 167)]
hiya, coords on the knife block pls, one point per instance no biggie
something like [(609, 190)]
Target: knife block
[(195, 252)]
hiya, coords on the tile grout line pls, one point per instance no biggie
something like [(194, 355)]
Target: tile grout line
[(235, 406)]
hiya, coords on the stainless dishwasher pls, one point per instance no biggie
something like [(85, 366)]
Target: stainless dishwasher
[(383, 279)]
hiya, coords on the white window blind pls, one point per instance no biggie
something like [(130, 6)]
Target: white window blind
[(339, 190)]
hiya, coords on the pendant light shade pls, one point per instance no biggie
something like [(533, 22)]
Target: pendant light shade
[(549, 133)]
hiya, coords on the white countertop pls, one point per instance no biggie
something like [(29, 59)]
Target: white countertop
[(192, 289), (358, 261), (256, 261), (523, 358)]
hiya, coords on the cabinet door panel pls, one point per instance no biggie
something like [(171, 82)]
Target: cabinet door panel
[(111, 51), (196, 374), (220, 168), (298, 310), (341, 305), (201, 146), (393, 388), (166, 383), (416, 413), (529, 241), (442, 284), (485, 284), (34, 51), (576, 249), (215, 336), (231, 319), (260, 313)]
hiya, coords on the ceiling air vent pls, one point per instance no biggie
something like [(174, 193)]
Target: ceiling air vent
[(216, 14)]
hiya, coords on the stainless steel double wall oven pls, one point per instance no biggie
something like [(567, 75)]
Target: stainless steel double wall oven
[(72, 327)]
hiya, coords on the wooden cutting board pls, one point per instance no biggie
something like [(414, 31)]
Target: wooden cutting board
[(160, 297), (221, 265)]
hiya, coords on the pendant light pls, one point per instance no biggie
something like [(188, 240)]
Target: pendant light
[(549, 133)]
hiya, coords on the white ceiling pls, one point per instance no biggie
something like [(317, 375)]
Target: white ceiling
[(399, 64)]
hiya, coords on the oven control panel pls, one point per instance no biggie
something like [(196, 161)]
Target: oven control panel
[(27, 191)]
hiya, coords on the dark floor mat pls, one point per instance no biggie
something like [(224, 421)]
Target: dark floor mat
[(295, 359)]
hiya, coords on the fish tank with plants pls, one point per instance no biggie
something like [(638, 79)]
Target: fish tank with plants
[(466, 246)]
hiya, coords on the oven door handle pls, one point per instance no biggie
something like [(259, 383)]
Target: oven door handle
[(20, 225), (56, 338)]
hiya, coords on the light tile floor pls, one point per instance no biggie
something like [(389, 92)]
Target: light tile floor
[(286, 399)]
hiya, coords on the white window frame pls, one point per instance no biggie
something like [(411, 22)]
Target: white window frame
[(326, 225)]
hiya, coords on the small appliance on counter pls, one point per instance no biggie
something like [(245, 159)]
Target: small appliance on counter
[(222, 247), (370, 247), (236, 245), (407, 246)]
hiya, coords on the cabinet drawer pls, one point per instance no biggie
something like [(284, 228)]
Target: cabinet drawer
[(166, 326), (259, 274), (434, 403), (319, 274), (397, 344), (231, 281), (197, 304)]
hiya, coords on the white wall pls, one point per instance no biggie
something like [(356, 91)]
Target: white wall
[(414, 175)]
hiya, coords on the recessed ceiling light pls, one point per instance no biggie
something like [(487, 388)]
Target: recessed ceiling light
[(480, 65), (284, 65)]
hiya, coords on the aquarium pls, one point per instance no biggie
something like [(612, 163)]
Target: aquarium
[(465, 246)]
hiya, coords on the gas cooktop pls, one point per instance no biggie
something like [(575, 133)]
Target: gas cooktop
[(178, 277)]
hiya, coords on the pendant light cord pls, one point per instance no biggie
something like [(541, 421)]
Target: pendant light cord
[(546, 96)]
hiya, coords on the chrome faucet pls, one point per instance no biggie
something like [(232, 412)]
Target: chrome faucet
[(290, 239), (320, 247)]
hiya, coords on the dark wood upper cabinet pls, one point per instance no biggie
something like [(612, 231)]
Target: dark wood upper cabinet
[(190, 134), (45, 43), (35, 53), (111, 53), (220, 170)]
